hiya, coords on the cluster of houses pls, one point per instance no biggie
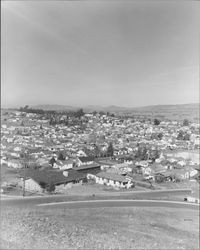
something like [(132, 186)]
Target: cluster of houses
[(62, 155)]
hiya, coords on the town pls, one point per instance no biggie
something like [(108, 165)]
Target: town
[(51, 152), (100, 125)]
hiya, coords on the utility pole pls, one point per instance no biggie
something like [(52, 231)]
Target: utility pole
[(24, 174), (24, 179)]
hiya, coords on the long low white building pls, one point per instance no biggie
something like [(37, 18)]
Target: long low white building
[(113, 180)]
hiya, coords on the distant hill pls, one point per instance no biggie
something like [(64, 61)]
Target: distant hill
[(89, 108), (172, 112), (170, 107), (54, 107), (111, 108)]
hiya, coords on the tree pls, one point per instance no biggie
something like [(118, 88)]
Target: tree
[(61, 157), (142, 153), (160, 136), (186, 137), (183, 136), (79, 113), (185, 122), (66, 122), (50, 187), (180, 135), (102, 113), (154, 154), (43, 184), (110, 150), (156, 122), (52, 121), (52, 161), (97, 151)]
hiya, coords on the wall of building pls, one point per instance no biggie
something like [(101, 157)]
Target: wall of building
[(31, 185)]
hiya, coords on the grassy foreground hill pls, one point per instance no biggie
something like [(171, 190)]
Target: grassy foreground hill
[(99, 228)]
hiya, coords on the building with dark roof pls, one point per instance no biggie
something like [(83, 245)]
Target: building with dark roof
[(52, 177), (85, 160), (93, 168)]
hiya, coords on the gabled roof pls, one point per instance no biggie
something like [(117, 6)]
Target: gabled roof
[(86, 159), (90, 166), (111, 176), (53, 176)]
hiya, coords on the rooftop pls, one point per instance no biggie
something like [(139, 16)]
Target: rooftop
[(53, 176), (111, 176)]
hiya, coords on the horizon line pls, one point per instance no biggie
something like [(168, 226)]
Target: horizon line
[(95, 105)]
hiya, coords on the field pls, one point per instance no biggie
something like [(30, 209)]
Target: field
[(9, 175), (99, 228)]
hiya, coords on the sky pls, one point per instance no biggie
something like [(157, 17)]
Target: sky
[(79, 53)]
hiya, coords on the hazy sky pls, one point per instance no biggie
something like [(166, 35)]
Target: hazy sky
[(127, 53)]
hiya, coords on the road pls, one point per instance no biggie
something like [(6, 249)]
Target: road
[(119, 203), (91, 202), (137, 195)]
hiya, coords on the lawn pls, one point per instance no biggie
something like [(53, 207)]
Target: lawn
[(99, 228), (187, 184), (9, 175)]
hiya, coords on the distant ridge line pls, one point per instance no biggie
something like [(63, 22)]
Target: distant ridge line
[(113, 108)]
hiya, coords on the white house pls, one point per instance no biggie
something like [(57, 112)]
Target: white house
[(67, 164), (17, 149), (14, 163), (81, 153), (113, 180)]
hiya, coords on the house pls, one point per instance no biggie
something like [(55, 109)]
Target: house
[(13, 163), (143, 164), (85, 160), (43, 178), (90, 168), (63, 165), (124, 158), (163, 176), (113, 180), (143, 167), (81, 153), (181, 174), (106, 162), (158, 168), (119, 171), (197, 168)]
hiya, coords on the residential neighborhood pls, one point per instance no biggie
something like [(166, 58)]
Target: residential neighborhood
[(100, 129), (52, 153)]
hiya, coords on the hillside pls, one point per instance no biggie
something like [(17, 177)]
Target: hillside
[(172, 112), (54, 107), (33, 227)]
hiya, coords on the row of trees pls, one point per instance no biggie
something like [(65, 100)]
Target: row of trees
[(95, 153), (186, 122), (55, 116), (143, 153)]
